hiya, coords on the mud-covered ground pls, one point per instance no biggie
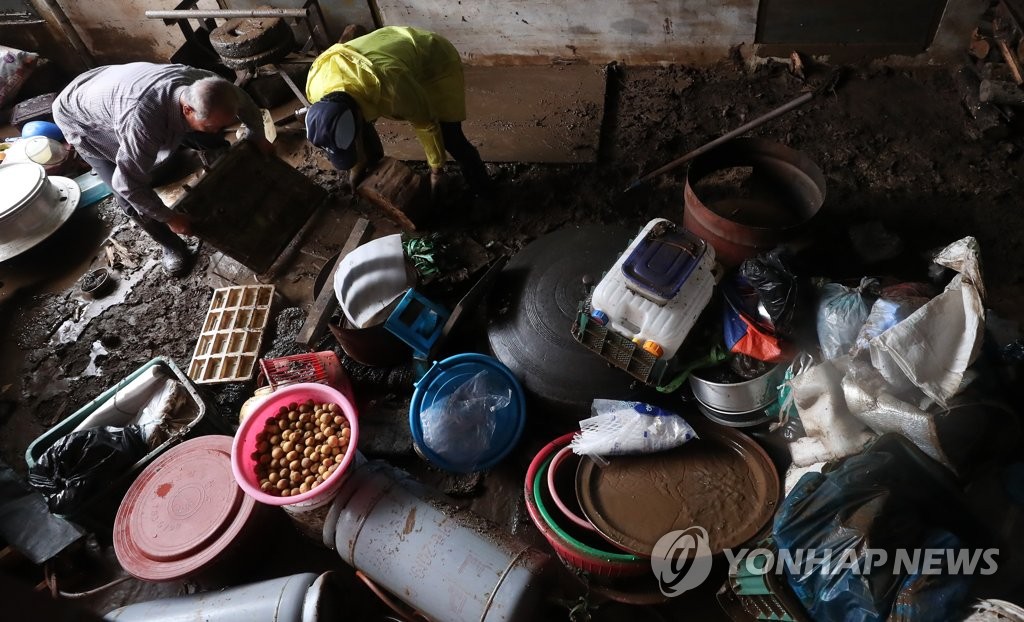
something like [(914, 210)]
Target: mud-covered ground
[(896, 146)]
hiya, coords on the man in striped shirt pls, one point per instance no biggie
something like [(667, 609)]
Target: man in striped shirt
[(126, 119)]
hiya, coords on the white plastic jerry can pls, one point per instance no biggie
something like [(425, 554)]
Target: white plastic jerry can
[(656, 290)]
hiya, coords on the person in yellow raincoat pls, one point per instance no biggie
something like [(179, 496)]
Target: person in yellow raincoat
[(399, 73)]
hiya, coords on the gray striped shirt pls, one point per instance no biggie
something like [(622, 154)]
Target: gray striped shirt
[(131, 115)]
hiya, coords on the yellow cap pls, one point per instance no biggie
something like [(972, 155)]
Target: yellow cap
[(654, 348)]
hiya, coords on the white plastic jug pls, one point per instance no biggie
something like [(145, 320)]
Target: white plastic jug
[(391, 528)]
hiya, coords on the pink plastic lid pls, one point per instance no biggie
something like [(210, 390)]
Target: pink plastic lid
[(182, 512)]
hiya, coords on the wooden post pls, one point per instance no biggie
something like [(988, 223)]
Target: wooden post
[(323, 306)]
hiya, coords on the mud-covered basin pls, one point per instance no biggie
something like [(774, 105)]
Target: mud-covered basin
[(749, 195)]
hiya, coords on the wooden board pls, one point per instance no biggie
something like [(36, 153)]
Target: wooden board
[(398, 190), (522, 114), (326, 301), (250, 206)]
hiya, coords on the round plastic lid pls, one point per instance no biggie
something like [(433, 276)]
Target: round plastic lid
[(21, 182), (182, 512), (441, 380)]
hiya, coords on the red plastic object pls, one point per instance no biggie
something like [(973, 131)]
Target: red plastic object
[(320, 367), (182, 512), (599, 563), (244, 466)]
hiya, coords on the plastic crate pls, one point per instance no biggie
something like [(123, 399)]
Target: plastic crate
[(229, 343), (762, 596), (616, 349), (97, 514)]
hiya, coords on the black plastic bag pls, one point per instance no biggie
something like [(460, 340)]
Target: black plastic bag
[(80, 464), (776, 286)]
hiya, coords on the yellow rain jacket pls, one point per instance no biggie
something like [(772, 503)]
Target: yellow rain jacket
[(399, 73)]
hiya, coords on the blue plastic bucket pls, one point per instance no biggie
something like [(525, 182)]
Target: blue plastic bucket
[(440, 381)]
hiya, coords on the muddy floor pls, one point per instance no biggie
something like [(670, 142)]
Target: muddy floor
[(896, 147)]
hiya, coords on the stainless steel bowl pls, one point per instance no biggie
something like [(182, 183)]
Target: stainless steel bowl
[(739, 397)]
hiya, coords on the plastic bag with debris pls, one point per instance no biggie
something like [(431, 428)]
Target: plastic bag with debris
[(842, 312), (81, 463), (167, 412), (620, 428)]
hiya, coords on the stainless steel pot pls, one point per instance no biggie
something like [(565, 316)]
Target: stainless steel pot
[(739, 397)]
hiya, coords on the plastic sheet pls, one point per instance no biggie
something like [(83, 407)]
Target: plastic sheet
[(889, 497), (933, 348), (895, 305), (459, 427), (832, 431), (79, 464)]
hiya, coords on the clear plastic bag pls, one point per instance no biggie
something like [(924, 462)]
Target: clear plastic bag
[(842, 312), (459, 427), (619, 428)]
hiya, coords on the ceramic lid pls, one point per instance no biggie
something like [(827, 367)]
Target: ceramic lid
[(182, 512), (21, 182)]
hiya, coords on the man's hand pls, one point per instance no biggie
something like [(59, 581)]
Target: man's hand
[(180, 224), (265, 146), (435, 183)]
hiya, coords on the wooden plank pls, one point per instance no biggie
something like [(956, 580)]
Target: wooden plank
[(396, 189), (323, 306)]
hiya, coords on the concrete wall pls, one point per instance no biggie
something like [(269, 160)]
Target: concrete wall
[(532, 31), (506, 31)]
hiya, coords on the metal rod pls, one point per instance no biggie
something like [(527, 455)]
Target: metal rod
[(723, 138), (226, 13)]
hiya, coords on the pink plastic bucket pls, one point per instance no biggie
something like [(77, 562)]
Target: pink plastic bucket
[(244, 466)]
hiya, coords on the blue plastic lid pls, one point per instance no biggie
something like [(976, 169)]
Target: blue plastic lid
[(662, 262), (441, 380), (43, 128)]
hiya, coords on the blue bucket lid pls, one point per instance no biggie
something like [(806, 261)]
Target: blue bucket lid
[(441, 380)]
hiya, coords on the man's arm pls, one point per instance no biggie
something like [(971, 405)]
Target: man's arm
[(251, 117), (137, 151)]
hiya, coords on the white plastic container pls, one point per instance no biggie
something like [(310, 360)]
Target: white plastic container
[(664, 306), (391, 528)]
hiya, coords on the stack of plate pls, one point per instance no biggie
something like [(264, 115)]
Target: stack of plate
[(32, 206)]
